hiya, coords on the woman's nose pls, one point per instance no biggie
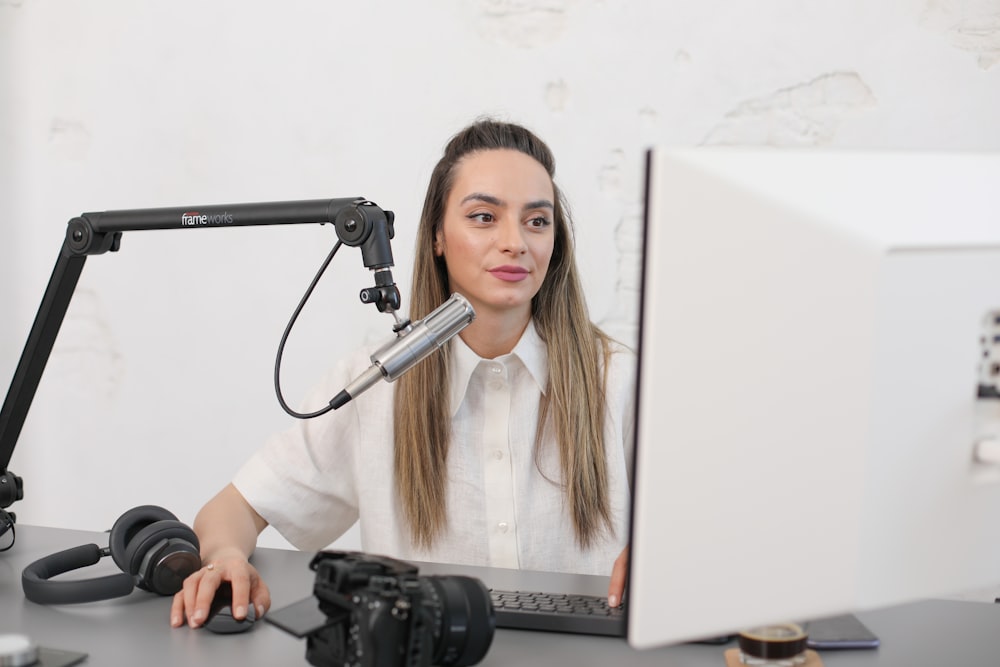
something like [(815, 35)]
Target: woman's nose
[(511, 237)]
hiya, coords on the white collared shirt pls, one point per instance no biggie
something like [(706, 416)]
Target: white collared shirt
[(505, 505)]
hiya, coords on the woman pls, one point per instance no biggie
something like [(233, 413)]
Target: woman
[(508, 449)]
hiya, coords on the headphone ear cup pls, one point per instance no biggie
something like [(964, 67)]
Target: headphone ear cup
[(128, 525), (162, 555)]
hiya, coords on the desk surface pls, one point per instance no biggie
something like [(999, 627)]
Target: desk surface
[(135, 630)]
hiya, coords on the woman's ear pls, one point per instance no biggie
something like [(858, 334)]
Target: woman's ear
[(438, 245)]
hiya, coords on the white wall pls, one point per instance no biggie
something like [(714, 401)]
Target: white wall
[(160, 383)]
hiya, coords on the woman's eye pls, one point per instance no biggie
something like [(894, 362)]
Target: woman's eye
[(482, 217), (539, 222)]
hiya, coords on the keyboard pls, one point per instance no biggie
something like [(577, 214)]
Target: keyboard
[(557, 612)]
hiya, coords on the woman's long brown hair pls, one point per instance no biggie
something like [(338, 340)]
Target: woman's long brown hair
[(573, 405)]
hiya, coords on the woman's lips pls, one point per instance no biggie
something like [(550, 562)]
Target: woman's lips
[(511, 274)]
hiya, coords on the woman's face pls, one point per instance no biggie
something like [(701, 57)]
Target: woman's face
[(497, 234)]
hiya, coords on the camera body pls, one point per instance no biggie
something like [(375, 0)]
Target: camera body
[(381, 613)]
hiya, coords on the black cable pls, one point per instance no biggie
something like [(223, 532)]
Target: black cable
[(7, 521), (284, 337)]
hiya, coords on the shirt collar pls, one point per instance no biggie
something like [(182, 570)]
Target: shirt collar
[(530, 351)]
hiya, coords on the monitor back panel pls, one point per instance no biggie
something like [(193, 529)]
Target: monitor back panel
[(808, 379)]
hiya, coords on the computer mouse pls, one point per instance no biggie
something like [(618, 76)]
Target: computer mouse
[(220, 614)]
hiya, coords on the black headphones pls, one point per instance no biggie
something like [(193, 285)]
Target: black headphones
[(154, 550)]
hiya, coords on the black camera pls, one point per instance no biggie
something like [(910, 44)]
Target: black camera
[(378, 612)]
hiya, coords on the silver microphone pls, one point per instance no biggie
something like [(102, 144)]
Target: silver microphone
[(412, 344)]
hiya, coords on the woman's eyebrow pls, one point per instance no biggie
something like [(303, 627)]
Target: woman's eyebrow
[(496, 201), (541, 203), (480, 196)]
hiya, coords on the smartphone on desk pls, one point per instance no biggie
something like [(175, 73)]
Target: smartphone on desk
[(839, 632)]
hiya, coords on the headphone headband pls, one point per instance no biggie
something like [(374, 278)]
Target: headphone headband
[(38, 588)]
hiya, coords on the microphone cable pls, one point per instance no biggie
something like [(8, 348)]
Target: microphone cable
[(284, 339)]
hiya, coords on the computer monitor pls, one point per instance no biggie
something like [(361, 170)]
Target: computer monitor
[(820, 344)]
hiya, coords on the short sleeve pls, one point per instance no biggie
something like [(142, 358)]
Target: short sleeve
[(303, 481)]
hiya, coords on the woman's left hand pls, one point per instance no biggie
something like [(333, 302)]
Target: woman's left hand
[(616, 587)]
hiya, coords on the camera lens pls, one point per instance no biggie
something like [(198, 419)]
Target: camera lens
[(467, 621)]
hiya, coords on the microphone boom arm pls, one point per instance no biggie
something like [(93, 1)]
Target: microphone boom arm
[(358, 222)]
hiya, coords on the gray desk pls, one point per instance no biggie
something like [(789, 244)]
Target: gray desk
[(135, 630)]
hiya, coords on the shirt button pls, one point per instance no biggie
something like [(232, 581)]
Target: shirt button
[(496, 386), (502, 526), (496, 369), (498, 454)]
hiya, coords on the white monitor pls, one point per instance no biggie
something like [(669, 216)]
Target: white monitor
[(816, 327)]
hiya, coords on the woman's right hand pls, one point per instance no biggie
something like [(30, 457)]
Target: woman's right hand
[(192, 602), (227, 528)]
